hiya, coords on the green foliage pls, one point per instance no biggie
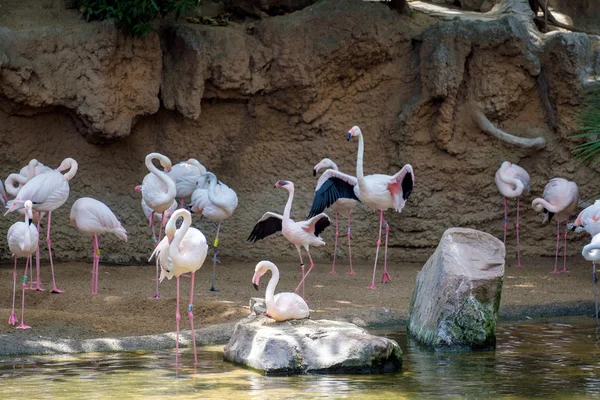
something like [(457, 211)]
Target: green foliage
[(589, 129), (134, 16)]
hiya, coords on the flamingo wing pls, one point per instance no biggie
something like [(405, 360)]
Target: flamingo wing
[(332, 185), (269, 224), (401, 186), (317, 224)]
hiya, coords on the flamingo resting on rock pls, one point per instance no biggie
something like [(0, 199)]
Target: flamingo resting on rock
[(158, 192), (22, 242), (303, 233), (182, 251), (94, 217), (561, 198), (591, 252), (280, 306), (216, 202), (512, 181), (47, 192), (343, 205)]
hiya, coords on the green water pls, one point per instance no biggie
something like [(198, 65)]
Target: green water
[(556, 359)]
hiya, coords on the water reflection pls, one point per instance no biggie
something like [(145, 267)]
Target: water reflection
[(555, 359)]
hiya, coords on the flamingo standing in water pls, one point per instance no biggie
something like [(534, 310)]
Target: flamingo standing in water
[(342, 205), (182, 250), (158, 192), (216, 202), (303, 233), (94, 217), (14, 183), (185, 175), (280, 306), (380, 192), (561, 198), (591, 252), (22, 242), (47, 192), (512, 181)]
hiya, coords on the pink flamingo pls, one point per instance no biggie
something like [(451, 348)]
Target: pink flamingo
[(591, 252), (561, 198), (182, 250), (303, 233), (158, 192), (14, 183), (342, 205), (3, 195), (22, 242), (94, 217), (185, 174), (588, 220), (47, 192), (512, 181)]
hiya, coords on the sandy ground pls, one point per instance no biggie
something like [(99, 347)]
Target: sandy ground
[(124, 307)]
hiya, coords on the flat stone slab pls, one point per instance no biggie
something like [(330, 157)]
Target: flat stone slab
[(301, 346)]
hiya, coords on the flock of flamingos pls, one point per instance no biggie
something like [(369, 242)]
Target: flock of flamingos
[(39, 190)]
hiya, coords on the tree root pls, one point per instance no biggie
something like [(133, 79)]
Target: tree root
[(488, 127)]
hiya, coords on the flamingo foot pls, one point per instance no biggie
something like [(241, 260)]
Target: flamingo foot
[(56, 290), (385, 278), (23, 326), (12, 319), (555, 272), (372, 287), (332, 272), (38, 286), (563, 271), (518, 266), (351, 272), (212, 289), (155, 297)]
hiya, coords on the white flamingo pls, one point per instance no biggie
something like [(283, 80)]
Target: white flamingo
[(185, 174), (561, 198), (280, 306), (47, 192), (94, 217), (153, 217), (591, 252), (182, 250), (588, 220), (512, 181), (303, 233), (343, 205), (22, 242), (158, 192), (216, 202)]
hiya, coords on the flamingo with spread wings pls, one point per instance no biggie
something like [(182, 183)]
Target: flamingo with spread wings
[(303, 233), (343, 205)]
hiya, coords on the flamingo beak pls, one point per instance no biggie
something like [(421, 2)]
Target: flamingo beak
[(256, 281), (170, 239), (5, 197), (314, 172), (348, 136), (168, 169)]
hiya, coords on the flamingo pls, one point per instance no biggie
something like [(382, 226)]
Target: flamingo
[(303, 233), (182, 250), (342, 205), (280, 306), (22, 242), (3, 195), (153, 217), (47, 192), (14, 183), (380, 192), (185, 175), (588, 220), (560, 197), (512, 181), (94, 217), (216, 202), (158, 192), (591, 252)]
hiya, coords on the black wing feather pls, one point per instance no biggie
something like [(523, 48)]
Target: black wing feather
[(407, 185), (265, 228), (332, 190), (320, 225)]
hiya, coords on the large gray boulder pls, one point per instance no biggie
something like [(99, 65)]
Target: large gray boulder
[(300, 346), (454, 305)]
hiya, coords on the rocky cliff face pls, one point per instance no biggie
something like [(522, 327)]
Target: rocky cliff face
[(267, 99)]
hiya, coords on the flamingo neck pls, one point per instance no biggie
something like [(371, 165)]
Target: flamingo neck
[(541, 204), (333, 166), (176, 256), (270, 292), (171, 189), (591, 252), (73, 166), (212, 195), (288, 206), (10, 183), (514, 182), (359, 159)]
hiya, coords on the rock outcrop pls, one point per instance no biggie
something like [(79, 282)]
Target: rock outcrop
[(455, 302), (310, 346)]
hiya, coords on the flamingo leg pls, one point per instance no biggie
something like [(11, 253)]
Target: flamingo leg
[(518, 245), (312, 264), (93, 263), (151, 220), (96, 264), (181, 203), (215, 259), (191, 318), (557, 242), (564, 270), (38, 282), (177, 319), (351, 272), (386, 277), (162, 220), (505, 218), (13, 317), (25, 274), (301, 266), (377, 252), (595, 280), (24, 283), (49, 243), (335, 246)]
